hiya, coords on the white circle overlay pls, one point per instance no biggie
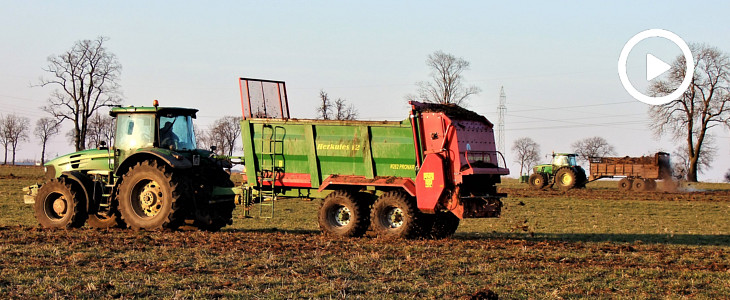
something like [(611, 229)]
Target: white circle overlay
[(625, 55)]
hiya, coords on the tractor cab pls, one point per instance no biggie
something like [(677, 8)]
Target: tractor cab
[(564, 159), (169, 128)]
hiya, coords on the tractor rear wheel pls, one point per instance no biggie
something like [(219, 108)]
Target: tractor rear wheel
[(566, 179), (148, 197), (625, 184), (395, 215), (342, 214), (538, 181), (220, 213), (57, 205)]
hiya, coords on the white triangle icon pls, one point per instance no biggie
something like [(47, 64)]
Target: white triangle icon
[(655, 67)]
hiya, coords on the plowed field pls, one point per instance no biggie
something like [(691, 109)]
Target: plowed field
[(596, 243)]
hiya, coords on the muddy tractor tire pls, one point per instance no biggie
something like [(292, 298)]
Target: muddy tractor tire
[(566, 179), (538, 181), (148, 197), (59, 205), (344, 215), (220, 214), (395, 215), (625, 184)]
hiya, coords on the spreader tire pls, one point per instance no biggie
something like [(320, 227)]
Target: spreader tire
[(148, 197), (342, 214), (566, 179), (58, 206), (395, 215), (625, 184), (444, 225), (538, 181), (639, 185)]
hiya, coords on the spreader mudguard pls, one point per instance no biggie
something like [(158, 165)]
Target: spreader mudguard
[(430, 183)]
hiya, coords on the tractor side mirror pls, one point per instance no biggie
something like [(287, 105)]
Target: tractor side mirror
[(102, 145)]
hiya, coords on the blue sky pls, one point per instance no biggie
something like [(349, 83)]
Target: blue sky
[(556, 60)]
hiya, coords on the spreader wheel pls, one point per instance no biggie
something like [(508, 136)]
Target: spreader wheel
[(444, 225), (58, 206), (639, 185), (395, 215), (148, 197), (625, 184), (342, 214)]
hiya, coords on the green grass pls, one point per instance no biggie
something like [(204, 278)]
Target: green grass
[(552, 245)]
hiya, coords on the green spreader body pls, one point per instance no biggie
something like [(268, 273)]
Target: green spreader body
[(442, 156)]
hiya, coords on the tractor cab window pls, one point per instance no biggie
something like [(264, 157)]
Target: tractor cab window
[(562, 160), (177, 131), (135, 131)]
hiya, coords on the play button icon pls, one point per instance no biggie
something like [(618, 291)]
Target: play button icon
[(655, 67)]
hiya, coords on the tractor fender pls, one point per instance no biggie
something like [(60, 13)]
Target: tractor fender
[(142, 155), (83, 181)]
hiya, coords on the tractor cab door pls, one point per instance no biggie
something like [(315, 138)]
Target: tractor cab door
[(134, 131)]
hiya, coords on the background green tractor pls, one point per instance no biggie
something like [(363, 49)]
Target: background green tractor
[(153, 177), (563, 172)]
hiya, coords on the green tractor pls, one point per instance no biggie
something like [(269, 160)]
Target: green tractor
[(152, 178), (563, 172)]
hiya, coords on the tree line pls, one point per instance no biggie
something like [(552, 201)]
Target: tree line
[(86, 80)]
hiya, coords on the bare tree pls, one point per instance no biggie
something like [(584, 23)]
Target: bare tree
[(704, 105), (4, 138), (447, 82), (100, 128), (340, 110), (727, 176), (14, 130), (324, 110), (527, 153), (45, 128), (202, 138), (592, 147), (224, 133), (86, 79), (343, 111), (681, 160)]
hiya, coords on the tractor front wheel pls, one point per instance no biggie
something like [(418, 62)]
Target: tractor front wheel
[(57, 205), (148, 197), (538, 181), (395, 215), (566, 179), (342, 214)]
